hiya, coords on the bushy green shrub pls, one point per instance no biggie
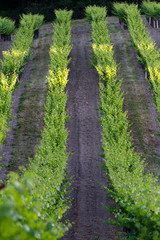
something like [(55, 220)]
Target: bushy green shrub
[(95, 13), (7, 26), (136, 193), (63, 16), (28, 19), (118, 10)]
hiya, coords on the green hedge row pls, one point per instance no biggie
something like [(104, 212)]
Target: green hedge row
[(32, 205), (7, 26), (12, 64), (136, 193)]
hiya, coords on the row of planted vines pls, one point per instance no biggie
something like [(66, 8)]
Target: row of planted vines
[(32, 205), (12, 65), (136, 193), (148, 55)]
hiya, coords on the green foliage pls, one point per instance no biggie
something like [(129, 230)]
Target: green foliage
[(97, 29), (119, 10), (7, 26), (151, 9), (13, 61), (63, 16), (95, 13), (136, 193), (6, 87), (35, 20), (62, 30), (32, 206)]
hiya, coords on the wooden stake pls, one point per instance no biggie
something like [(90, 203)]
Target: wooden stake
[(154, 24), (157, 24)]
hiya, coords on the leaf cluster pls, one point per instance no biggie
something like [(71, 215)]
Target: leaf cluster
[(95, 13), (63, 16), (119, 10), (7, 26), (35, 20)]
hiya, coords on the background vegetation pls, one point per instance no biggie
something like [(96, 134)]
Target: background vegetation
[(13, 8)]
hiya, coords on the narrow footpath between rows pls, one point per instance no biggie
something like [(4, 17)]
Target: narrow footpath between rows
[(138, 98), (84, 141)]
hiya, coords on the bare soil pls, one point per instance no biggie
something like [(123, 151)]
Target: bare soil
[(4, 46), (138, 97), (87, 213)]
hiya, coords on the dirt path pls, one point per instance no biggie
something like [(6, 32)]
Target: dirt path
[(4, 46), (87, 212), (138, 99), (28, 107)]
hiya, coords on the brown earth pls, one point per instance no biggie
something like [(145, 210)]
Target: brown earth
[(138, 97), (88, 195)]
